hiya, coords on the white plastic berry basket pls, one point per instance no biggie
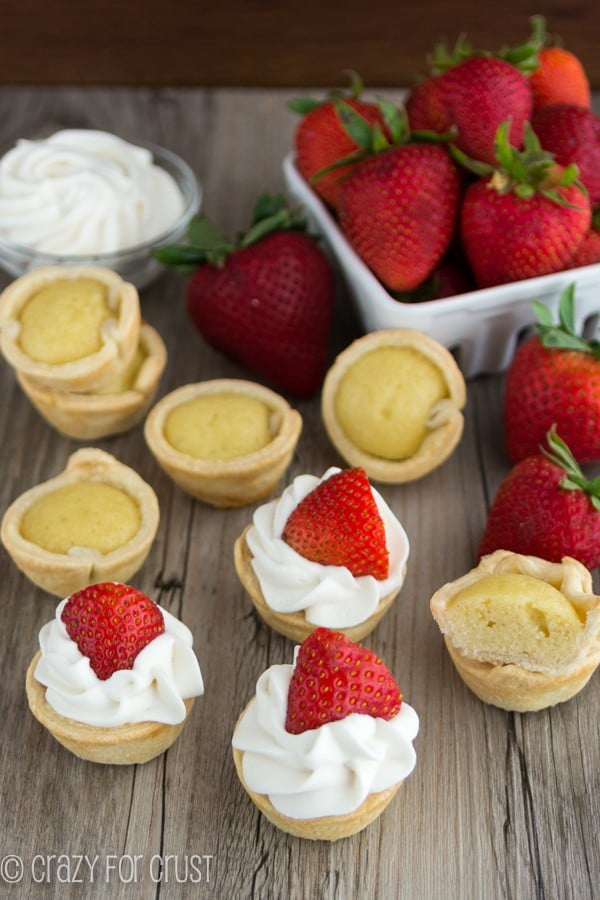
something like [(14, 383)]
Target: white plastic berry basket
[(481, 327)]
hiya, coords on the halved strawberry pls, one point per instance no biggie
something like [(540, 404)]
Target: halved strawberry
[(339, 524), (333, 678), (111, 623)]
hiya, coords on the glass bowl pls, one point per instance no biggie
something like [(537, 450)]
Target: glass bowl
[(135, 264)]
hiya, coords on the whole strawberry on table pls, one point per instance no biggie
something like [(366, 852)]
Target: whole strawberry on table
[(554, 379), (265, 299), (546, 507)]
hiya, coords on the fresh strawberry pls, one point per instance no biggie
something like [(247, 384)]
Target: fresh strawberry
[(111, 623), (471, 99), (321, 139), (265, 301), (525, 218), (554, 378), (398, 206), (559, 78), (572, 134), (451, 277), (334, 678), (338, 524), (425, 106), (588, 252), (546, 507)]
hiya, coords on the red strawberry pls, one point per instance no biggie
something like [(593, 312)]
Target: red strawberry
[(559, 78), (526, 218), (333, 678), (398, 210), (425, 106), (321, 139), (554, 378), (588, 252), (546, 507), (338, 524), (266, 301), (472, 99), (111, 623), (572, 135)]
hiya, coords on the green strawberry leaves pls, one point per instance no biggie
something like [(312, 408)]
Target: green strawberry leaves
[(524, 56), (303, 105), (525, 172), (574, 479), (208, 244), (562, 336)]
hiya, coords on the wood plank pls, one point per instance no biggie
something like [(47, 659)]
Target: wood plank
[(264, 44)]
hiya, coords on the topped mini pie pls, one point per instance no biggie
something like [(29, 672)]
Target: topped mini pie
[(69, 328), (391, 403), (95, 521), (112, 409), (226, 441), (523, 633)]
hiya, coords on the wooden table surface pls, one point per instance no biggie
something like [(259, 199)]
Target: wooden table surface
[(500, 805)]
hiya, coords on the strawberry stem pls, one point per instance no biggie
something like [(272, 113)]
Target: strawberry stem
[(574, 480), (562, 336), (208, 244), (303, 105)]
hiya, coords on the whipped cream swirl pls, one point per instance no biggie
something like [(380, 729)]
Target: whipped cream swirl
[(165, 673), (329, 595), (328, 770), (84, 192)]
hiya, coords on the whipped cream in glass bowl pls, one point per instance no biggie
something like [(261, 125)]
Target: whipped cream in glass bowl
[(88, 196)]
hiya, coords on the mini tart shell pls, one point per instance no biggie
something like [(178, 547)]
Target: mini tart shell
[(228, 483), (119, 745), (514, 688), (446, 420), (63, 574), (295, 625), (119, 333), (322, 828), (86, 416), (510, 685)]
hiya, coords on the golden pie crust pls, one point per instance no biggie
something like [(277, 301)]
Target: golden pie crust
[(88, 416), (444, 421), (119, 745), (295, 625), (119, 333), (227, 483), (322, 828), (516, 684), (63, 574)]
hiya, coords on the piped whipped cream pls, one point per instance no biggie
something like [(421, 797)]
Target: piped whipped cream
[(328, 770), (330, 596), (165, 673), (84, 192)]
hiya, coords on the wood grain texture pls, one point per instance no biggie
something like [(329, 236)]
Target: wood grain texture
[(257, 43), (500, 805)]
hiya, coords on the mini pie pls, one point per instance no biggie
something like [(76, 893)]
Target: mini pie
[(323, 828), (391, 403), (294, 625), (226, 442), (123, 745), (95, 521), (523, 633), (69, 328), (112, 409)]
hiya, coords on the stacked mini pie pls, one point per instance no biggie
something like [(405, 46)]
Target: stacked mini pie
[(82, 355)]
